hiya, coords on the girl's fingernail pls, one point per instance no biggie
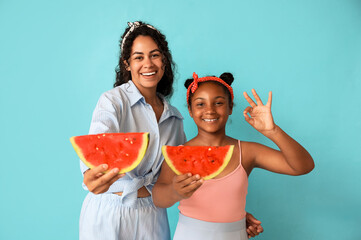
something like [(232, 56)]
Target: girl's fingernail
[(115, 170), (105, 166)]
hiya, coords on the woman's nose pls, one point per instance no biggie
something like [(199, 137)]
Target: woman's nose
[(148, 62)]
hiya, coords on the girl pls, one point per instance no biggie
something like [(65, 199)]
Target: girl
[(121, 206), (210, 102)]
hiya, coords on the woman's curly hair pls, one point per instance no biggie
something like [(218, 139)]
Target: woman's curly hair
[(165, 86)]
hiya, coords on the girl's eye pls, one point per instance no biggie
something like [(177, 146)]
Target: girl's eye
[(199, 104), (219, 103)]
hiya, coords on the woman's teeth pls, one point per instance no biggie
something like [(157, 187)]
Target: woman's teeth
[(148, 74)]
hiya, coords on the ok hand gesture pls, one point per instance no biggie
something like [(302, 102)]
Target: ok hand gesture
[(260, 115)]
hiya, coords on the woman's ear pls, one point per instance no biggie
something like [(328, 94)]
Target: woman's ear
[(126, 65)]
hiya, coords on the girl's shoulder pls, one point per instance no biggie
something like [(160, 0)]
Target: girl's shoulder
[(192, 142), (252, 146)]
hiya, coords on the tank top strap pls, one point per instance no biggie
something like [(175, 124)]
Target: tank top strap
[(240, 152)]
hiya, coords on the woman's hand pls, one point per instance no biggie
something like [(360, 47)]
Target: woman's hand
[(99, 182), (185, 185), (260, 115), (253, 226)]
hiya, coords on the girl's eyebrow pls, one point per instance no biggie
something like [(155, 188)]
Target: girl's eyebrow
[(154, 50), (200, 98)]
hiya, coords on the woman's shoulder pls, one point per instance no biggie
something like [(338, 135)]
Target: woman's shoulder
[(122, 93), (173, 111)]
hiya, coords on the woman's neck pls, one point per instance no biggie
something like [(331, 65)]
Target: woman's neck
[(151, 97)]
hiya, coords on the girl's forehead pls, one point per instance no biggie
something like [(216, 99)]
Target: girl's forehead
[(209, 87)]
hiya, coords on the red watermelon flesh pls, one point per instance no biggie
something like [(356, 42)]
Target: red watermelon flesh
[(207, 161), (118, 150)]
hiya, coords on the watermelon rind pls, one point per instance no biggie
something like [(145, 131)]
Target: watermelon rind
[(141, 153), (169, 161), (227, 158)]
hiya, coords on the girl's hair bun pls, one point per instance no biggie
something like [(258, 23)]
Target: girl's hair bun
[(188, 82), (227, 77)]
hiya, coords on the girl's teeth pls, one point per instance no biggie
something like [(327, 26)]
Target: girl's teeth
[(209, 120)]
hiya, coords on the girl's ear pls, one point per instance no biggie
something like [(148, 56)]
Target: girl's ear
[(126, 65), (190, 111), (231, 108)]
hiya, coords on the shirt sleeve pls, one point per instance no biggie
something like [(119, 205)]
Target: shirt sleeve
[(105, 119)]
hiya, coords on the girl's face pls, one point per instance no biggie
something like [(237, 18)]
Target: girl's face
[(145, 64), (210, 107)]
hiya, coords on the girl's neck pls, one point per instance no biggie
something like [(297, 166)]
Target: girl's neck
[(212, 139)]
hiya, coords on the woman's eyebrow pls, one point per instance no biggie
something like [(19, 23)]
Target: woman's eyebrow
[(137, 53), (154, 50)]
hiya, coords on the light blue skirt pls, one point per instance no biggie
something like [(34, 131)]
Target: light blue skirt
[(194, 229), (103, 217)]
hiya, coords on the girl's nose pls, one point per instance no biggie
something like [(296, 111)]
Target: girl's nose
[(210, 109)]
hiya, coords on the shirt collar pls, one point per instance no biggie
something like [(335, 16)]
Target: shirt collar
[(133, 93), (135, 96)]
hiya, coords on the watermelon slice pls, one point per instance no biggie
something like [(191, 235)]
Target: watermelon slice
[(118, 150), (207, 161)]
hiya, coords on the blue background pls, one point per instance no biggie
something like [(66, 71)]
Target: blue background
[(57, 57)]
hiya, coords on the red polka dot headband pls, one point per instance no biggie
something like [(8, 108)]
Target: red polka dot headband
[(194, 85)]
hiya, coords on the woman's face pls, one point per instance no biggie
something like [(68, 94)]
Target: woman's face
[(210, 107), (145, 64)]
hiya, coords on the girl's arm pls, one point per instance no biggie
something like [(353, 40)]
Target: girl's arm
[(291, 159), (171, 188)]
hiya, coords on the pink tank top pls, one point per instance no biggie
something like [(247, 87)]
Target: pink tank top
[(219, 200)]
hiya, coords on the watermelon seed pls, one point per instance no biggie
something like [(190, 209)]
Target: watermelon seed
[(131, 142), (185, 160), (99, 137), (209, 149), (103, 135), (127, 154), (97, 148)]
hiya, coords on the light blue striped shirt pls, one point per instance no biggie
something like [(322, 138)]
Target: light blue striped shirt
[(123, 109)]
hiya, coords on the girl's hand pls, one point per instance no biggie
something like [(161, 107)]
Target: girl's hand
[(260, 115), (99, 182), (185, 185)]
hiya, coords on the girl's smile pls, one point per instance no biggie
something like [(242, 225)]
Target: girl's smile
[(210, 107)]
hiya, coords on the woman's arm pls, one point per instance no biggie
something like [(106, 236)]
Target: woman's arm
[(105, 119)]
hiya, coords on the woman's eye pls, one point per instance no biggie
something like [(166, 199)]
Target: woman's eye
[(155, 55)]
